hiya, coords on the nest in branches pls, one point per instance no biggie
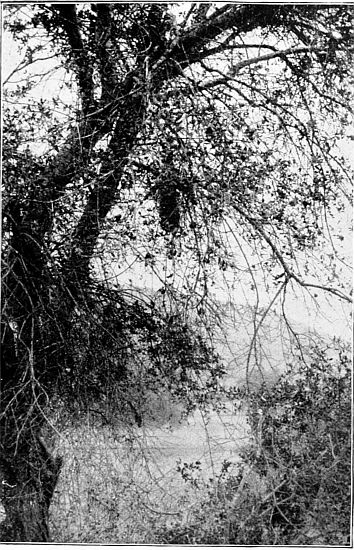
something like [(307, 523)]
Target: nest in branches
[(174, 192), (169, 208)]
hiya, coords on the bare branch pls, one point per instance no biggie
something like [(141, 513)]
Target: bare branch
[(235, 69), (256, 224)]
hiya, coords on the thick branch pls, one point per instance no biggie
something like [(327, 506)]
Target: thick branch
[(128, 103), (106, 66), (124, 116), (190, 47), (83, 63)]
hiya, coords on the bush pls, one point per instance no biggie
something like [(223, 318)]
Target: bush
[(303, 448), (293, 486)]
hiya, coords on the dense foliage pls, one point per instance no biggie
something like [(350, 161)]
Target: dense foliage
[(191, 145)]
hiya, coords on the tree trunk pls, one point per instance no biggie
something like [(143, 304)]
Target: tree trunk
[(28, 480), (30, 371), (28, 472)]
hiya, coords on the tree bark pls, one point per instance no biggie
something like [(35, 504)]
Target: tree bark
[(28, 480)]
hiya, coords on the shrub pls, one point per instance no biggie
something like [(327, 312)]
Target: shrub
[(302, 447), (293, 484)]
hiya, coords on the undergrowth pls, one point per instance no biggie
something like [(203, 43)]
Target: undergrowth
[(290, 484)]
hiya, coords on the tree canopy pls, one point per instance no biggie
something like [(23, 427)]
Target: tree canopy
[(198, 144)]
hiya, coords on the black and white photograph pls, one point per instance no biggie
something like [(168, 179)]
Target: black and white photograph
[(176, 284)]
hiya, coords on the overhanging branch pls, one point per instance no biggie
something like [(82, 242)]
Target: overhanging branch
[(257, 226)]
